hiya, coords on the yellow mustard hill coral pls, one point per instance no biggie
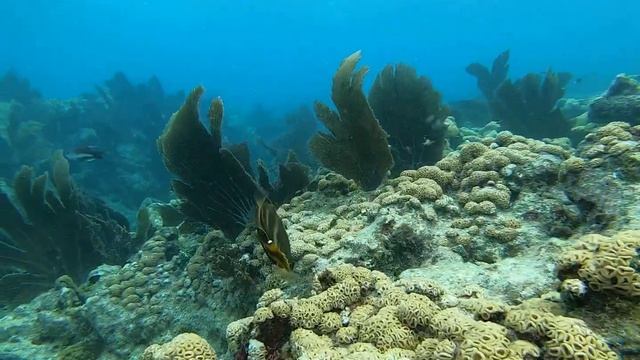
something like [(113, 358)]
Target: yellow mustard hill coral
[(185, 346), (605, 264)]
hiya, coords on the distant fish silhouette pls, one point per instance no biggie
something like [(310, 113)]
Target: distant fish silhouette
[(86, 153)]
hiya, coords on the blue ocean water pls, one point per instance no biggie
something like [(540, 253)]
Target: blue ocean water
[(282, 52)]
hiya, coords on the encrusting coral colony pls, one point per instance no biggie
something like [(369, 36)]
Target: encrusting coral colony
[(419, 240)]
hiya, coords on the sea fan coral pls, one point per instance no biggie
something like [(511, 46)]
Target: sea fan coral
[(410, 111), (49, 229), (355, 146)]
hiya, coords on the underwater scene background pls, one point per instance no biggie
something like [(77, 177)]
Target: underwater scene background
[(319, 180)]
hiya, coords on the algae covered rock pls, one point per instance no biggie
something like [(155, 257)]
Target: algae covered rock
[(621, 102)]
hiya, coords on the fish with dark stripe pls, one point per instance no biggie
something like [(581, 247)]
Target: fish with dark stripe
[(272, 234)]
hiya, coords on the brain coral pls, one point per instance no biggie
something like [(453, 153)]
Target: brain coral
[(605, 264), (393, 320), (185, 346)]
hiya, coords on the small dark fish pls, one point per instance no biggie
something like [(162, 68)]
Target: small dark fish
[(272, 234), (86, 153)]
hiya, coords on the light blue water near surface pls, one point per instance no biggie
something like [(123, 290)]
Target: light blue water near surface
[(283, 52)]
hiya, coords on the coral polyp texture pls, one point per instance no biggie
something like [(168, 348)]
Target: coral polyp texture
[(604, 264), (361, 314), (185, 346)]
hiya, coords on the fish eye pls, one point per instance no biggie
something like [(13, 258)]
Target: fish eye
[(270, 242)]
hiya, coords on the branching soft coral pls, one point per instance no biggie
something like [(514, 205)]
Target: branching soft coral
[(528, 106), (410, 110), (355, 146), (489, 80), (49, 228), (293, 178), (212, 183)]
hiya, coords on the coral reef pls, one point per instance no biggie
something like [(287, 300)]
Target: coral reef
[(468, 201), (14, 87), (409, 109), (184, 282), (601, 178), (124, 119), (356, 146), (120, 118), (49, 229), (357, 313), (528, 106), (483, 253), (604, 264)]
